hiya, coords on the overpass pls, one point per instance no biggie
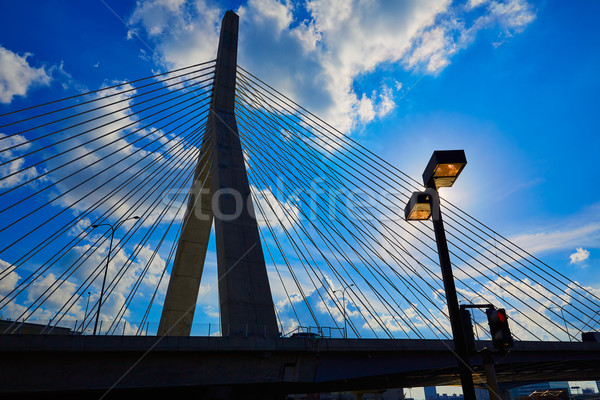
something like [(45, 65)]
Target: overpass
[(43, 366)]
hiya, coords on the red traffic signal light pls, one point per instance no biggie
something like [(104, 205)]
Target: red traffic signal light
[(499, 330)]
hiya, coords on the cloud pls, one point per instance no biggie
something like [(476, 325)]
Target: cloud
[(51, 291), (579, 256), (185, 33), (273, 211), (476, 3), (315, 51), (434, 46), (13, 170), (512, 14), (17, 76), (45, 287), (8, 282), (558, 239)]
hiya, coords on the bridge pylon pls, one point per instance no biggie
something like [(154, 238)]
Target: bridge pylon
[(245, 301)]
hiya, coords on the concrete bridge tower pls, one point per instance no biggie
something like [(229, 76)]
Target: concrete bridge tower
[(245, 300)]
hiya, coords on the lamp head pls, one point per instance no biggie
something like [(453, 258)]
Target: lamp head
[(418, 207), (443, 168)]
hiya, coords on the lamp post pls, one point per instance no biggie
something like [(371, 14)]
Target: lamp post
[(564, 320), (344, 307), (112, 234), (443, 169), (86, 310)]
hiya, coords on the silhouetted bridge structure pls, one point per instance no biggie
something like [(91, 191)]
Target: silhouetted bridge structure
[(208, 146), (219, 366)]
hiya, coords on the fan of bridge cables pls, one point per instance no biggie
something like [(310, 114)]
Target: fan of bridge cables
[(126, 150), (340, 257), (334, 213)]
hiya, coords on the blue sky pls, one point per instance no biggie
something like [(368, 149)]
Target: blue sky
[(512, 82)]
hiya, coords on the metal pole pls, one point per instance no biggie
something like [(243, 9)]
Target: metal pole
[(458, 334), (490, 374), (345, 320), (565, 321), (112, 233), (344, 305), (86, 310)]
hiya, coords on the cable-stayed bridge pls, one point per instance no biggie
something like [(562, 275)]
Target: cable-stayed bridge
[(210, 165)]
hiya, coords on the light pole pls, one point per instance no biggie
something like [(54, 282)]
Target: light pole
[(86, 309), (564, 320), (112, 234), (443, 169), (344, 307)]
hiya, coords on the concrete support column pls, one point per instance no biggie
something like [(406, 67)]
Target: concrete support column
[(180, 301), (245, 300)]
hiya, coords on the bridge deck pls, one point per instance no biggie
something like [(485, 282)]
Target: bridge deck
[(36, 364)]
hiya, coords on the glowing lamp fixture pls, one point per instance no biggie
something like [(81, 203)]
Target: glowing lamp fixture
[(443, 168), (418, 207)]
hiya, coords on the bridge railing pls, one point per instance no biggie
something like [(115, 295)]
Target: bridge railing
[(79, 327), (131, 328)]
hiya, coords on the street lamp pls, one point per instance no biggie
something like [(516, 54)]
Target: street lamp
[(564, 320), (112, 234), (86, 310), (443, 169), (344, 307)]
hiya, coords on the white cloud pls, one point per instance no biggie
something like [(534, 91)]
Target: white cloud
[(273, 211), (434, 46), (476, 3), (185, 33), (56, 292), (14, 170), (9, 281), (387, 103), (432, 50), (17, 76), (270, 11), (579, 256), (558, 239), (316, 60), (365, 109), (512, 14)]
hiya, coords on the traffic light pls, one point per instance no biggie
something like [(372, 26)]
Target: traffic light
[(498, 321)]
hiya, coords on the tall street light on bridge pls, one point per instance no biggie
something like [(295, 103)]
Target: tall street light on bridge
[(112, 235), (344, 307), (443, 169)]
